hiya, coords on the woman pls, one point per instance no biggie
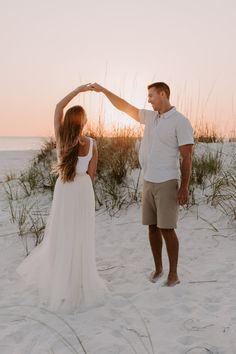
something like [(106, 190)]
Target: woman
[(63, 266)]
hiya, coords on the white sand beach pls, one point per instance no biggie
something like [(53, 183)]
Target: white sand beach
[(198, 316)]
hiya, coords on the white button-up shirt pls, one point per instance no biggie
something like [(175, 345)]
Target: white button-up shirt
[(159, 150)]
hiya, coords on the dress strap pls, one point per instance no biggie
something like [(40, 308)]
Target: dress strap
[(90, 146)]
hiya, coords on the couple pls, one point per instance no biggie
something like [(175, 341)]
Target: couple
[(63, 266)]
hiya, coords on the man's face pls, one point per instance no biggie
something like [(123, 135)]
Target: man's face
[(155, 98)]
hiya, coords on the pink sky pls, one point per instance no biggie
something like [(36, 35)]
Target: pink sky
[(48, 48)]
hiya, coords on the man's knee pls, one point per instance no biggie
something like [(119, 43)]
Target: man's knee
[(152, 228)]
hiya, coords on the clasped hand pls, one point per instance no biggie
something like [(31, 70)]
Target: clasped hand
[(91, 86)]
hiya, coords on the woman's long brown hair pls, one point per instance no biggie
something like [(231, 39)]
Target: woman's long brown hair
[(69, 140)]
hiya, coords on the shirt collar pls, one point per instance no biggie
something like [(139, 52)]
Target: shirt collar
[(166, 114)]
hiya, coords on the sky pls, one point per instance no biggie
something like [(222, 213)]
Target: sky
[(50, 47)]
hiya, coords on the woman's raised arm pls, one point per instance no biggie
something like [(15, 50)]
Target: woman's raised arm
[(58, 114)]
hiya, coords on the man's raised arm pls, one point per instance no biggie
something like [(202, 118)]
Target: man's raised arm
[(117, 101)]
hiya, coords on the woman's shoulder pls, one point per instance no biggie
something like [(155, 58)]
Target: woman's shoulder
[(89, 138), (91, 142), (85, 140)]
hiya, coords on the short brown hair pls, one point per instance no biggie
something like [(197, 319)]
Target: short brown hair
[(161, 86)]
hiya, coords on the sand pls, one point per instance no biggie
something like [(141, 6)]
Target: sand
[(197, 316)]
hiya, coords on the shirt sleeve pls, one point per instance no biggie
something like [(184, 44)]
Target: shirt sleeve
[(146, 115), (184, 132)]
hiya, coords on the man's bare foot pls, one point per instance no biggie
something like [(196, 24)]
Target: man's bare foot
[(170, 283), (154, 276)]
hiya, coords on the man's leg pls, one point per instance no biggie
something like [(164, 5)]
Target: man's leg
[(172, 246), (155, 239)]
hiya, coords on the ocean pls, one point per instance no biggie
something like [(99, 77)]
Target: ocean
[(21, 143), (17, 152)]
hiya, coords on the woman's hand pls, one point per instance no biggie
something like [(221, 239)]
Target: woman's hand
[(84, 88)]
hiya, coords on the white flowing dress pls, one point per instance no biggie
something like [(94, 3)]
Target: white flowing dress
[(63, 267)]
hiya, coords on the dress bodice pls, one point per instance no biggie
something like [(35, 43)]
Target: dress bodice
[(83, 161)]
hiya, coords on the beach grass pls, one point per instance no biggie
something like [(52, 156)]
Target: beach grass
[(118, 182)]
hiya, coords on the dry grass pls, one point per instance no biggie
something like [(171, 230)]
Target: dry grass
[(207, 134)]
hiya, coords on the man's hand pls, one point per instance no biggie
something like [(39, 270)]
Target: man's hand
[(183, 195)]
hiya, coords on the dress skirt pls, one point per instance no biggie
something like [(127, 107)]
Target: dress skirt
[(63, 267)]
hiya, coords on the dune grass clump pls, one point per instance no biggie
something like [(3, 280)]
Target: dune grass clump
[(207, 134), (27, 210), (115, 186), (224, 193), (117, 157), (45, 161), (46, 153), (30, 179), (205, 166)]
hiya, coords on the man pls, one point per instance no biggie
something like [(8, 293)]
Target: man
[(167, 138)]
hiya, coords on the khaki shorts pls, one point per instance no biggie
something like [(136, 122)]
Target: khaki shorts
[(159, 204)]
